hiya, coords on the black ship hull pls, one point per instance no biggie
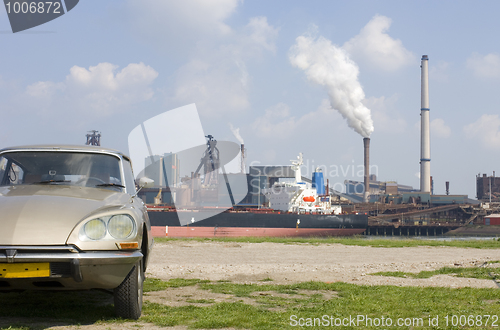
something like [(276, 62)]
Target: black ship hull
[(265, 220)]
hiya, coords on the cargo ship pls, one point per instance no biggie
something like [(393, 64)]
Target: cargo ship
[(295, 209)]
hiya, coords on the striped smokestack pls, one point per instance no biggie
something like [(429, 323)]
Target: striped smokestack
[(366, 144), (425, 138)]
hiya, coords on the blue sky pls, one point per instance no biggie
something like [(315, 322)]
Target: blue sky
[(110, 65)]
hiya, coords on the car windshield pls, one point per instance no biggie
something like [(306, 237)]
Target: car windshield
[(61, 168)]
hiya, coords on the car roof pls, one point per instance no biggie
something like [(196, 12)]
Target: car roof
[(65, 148)]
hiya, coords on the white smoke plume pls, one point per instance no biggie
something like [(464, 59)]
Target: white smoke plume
[(236, 132), (330, 66)]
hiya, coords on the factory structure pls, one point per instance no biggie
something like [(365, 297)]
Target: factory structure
[(391, 206), (93, 138), (168, 166), (488, 188), (260, 178)]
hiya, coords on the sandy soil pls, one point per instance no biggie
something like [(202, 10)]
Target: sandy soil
[(291, 263)]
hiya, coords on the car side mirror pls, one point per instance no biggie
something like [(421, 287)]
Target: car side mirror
[(145, 182)]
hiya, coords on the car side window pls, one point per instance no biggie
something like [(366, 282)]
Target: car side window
[(129, 177), (16, 174), (3, 168), (10, 173)]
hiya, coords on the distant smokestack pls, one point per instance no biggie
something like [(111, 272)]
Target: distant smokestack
[(366, 144), (425, 139), (242, 158), (447, 183)]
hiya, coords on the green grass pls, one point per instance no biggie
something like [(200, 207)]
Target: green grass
[(257, 306), (388, 243), (467, 272), (270, 312), (153, 284), (221, 315)]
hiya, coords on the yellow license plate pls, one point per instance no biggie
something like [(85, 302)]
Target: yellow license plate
[(25, 270)]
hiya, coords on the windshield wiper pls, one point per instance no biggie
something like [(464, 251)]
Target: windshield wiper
[(51, 181), (109, 185)]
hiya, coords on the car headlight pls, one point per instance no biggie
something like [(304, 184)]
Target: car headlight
[(95, 229), (120, 226)]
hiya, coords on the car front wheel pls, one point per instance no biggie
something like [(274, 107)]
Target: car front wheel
[(128, 295)]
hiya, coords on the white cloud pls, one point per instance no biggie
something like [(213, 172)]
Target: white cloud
[(486, 129), (102, 81), (218, 80), (439, 129), (178, 25), (277, 121), (440, 71), (377, 48), (100, 90), (262, 35), (487, 66), (385, 115), (216, 88), (257, 37), (43, 89), (213, 54)]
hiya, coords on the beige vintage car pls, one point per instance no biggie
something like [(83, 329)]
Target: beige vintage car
[(70, 219)]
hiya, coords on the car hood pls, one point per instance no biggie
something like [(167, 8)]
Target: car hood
[(46, 214)]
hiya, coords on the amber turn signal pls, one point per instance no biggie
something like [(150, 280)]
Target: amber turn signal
[(128, 246)]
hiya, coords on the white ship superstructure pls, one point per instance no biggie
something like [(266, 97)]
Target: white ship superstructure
[(302, 197)]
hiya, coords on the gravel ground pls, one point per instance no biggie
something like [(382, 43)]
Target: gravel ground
[(291, 263)]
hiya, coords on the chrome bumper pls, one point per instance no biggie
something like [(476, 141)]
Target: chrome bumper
[(89, 269), (11, 254)]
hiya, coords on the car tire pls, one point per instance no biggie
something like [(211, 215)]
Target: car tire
[(128, 295)]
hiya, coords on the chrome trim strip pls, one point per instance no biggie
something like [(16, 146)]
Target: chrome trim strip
[(70, 248), (65, 148), (85, 258)]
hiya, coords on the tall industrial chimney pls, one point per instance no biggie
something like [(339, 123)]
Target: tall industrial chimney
[(425, 139), (366, 194), (243, 169)]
